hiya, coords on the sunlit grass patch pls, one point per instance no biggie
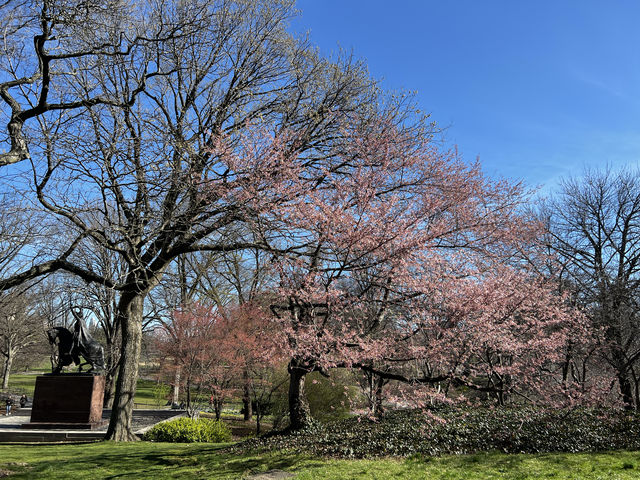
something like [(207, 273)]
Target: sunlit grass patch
[(209, 461)]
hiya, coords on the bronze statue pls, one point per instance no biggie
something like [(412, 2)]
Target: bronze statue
[(72, 346)]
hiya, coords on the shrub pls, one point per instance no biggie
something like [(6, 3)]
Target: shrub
[(188, 430), (464, 430), (330, 398)]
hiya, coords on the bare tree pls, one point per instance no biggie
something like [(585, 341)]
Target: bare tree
[(594, 225), (46, 45), (126, 115), (20, 327)]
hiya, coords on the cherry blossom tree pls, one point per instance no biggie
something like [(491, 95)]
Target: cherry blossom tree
[(415, 259), (246, 356), (253, 347), (188, 341), (219, 350), (504, 335)]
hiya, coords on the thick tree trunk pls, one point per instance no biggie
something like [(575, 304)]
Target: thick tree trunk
[(299, 413), (8, 361), (626, 390), (378, 410), (375, 384), (130, 310), (622, 374)]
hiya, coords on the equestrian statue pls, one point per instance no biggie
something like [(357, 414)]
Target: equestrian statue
[(73, 346)]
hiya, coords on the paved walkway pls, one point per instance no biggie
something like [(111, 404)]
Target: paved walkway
[(11, 427)]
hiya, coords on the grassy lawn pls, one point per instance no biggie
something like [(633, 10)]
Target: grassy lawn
[(148, 394), (164, 461), (22, 383)]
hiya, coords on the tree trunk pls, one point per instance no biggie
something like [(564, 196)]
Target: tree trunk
[(636, 387), (111, 364), (626, 390), (7, 370), (622, 374), (566, 368), (130, 309), (175, 397), (378, 410), (246, 398), (258, 417), (109, 390), (299, 413)]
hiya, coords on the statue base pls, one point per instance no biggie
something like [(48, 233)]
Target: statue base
[(67, 401)]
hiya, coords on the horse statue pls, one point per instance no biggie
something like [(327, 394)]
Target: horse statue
[(72, 346)]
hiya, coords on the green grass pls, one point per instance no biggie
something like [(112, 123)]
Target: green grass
[(149, 394), (22, 383), (206, 461), (146, 392)]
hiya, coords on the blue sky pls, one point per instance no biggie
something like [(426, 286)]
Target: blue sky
[(536, 90)]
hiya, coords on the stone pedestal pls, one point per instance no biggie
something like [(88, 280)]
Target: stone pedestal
[(67, 401)]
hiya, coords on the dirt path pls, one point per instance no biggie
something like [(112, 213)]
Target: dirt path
[(272, 475)]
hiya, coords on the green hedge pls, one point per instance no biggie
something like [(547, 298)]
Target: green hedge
[(188, 430), (457, 431)]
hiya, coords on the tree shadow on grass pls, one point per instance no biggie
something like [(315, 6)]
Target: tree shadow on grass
[(145, 460)]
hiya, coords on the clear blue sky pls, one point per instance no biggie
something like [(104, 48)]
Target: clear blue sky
[(535, 89)]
